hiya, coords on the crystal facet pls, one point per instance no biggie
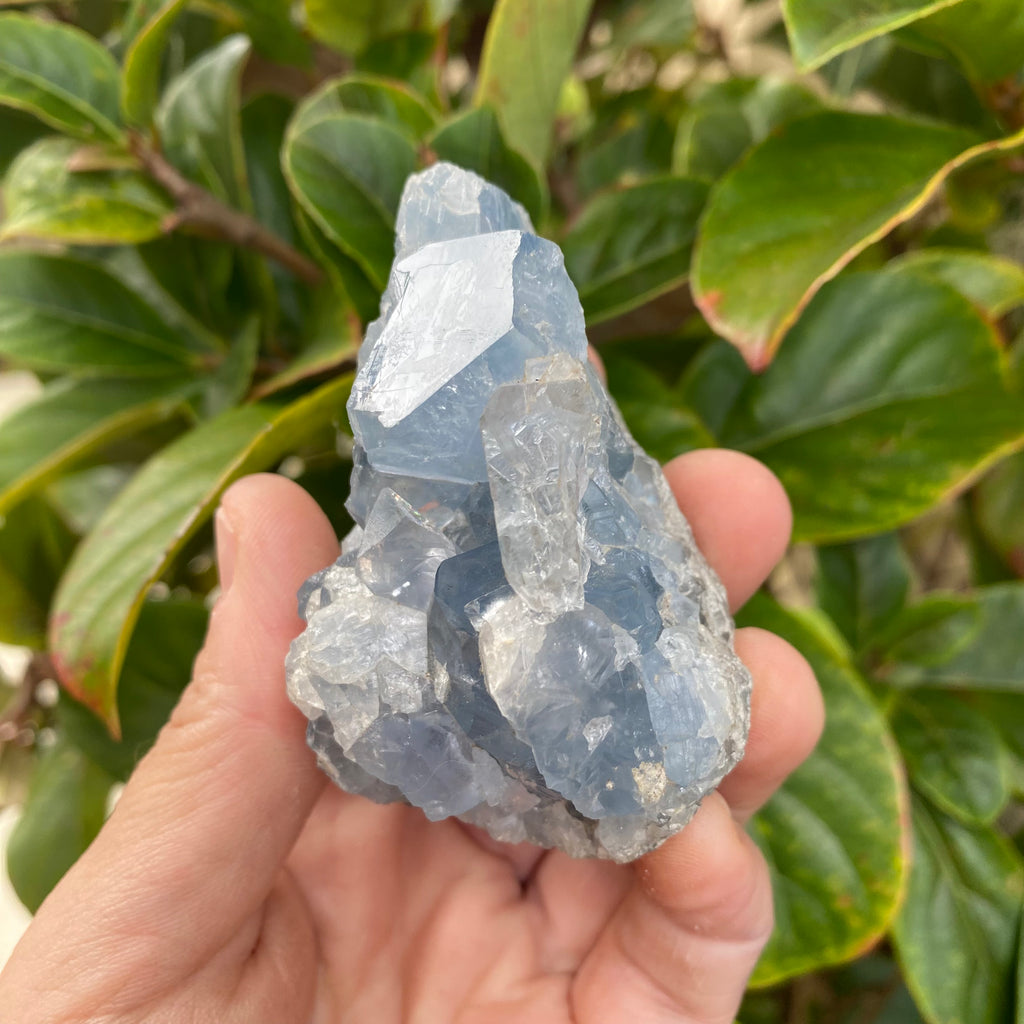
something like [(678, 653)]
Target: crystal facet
[(520, 630)]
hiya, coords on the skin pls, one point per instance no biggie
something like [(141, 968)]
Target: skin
[(231, 884)]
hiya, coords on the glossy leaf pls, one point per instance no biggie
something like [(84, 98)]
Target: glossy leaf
[(148, 523), (347, 172), (991, 657), (344, 273), (777, 226), (954, 755), (956, 933), (986, 36), (58, 314), (998, 501), (157, 667), (69, 423), (35, 545), (862, 586), (862, 414), (146, 31), (994, 284), (832, 835), (631, 245), (820, 29), (198, 122), (474, 140), (929, 632), (60, 74), (65, 808), (394, 102), (528, 51), (46, 197)]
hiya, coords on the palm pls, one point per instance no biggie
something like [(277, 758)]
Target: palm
[(497, 933)]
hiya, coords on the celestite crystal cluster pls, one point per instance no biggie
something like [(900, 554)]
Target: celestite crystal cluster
[(520, 630)]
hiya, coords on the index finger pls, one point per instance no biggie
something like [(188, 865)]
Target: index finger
[(739, 514)]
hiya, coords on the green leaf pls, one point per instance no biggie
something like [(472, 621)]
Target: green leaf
[(929, 632), (991, 657), (146, 31), (878, 377), (709, 140), (728, 118), (474, 140), (954, 755), (713, 383), (998, 501), (820, 29), (344, 273), (198, 122), (35, 545), (631, 245), (833, 833), (46, 197), (349, 27), (985, 36), (779, 225), (60, 74), (917, 83), (58, 314), (331, 343), (347, 172), (995, 285), (148, 523), (862, 586), (157, 667), (528, 51), (659, 421), (64, 810), (956, 933), (69, 423), (229, 383), (394, 102)]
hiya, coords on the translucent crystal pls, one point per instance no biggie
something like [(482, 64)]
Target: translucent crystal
[(520, 630)]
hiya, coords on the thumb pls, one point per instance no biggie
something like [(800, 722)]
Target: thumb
[(197, 839)]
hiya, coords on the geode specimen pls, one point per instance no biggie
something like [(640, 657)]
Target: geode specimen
[(520, 630)]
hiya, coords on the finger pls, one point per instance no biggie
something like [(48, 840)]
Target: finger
[(598, 363), (787, 715), (684, 941), (739, 513), (197, 838)]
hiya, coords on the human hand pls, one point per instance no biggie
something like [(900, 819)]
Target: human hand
[(231, 885)]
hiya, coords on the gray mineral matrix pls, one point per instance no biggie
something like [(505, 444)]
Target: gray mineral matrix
[(520, 631)]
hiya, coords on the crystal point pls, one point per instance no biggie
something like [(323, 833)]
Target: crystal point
[(520, 630)]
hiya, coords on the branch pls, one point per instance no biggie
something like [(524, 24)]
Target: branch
[(20, 707), (200, 210)]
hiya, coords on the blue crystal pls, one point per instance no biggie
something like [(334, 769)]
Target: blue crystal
[(520, 630)]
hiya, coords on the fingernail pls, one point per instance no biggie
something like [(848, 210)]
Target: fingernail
[(227, 548)]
